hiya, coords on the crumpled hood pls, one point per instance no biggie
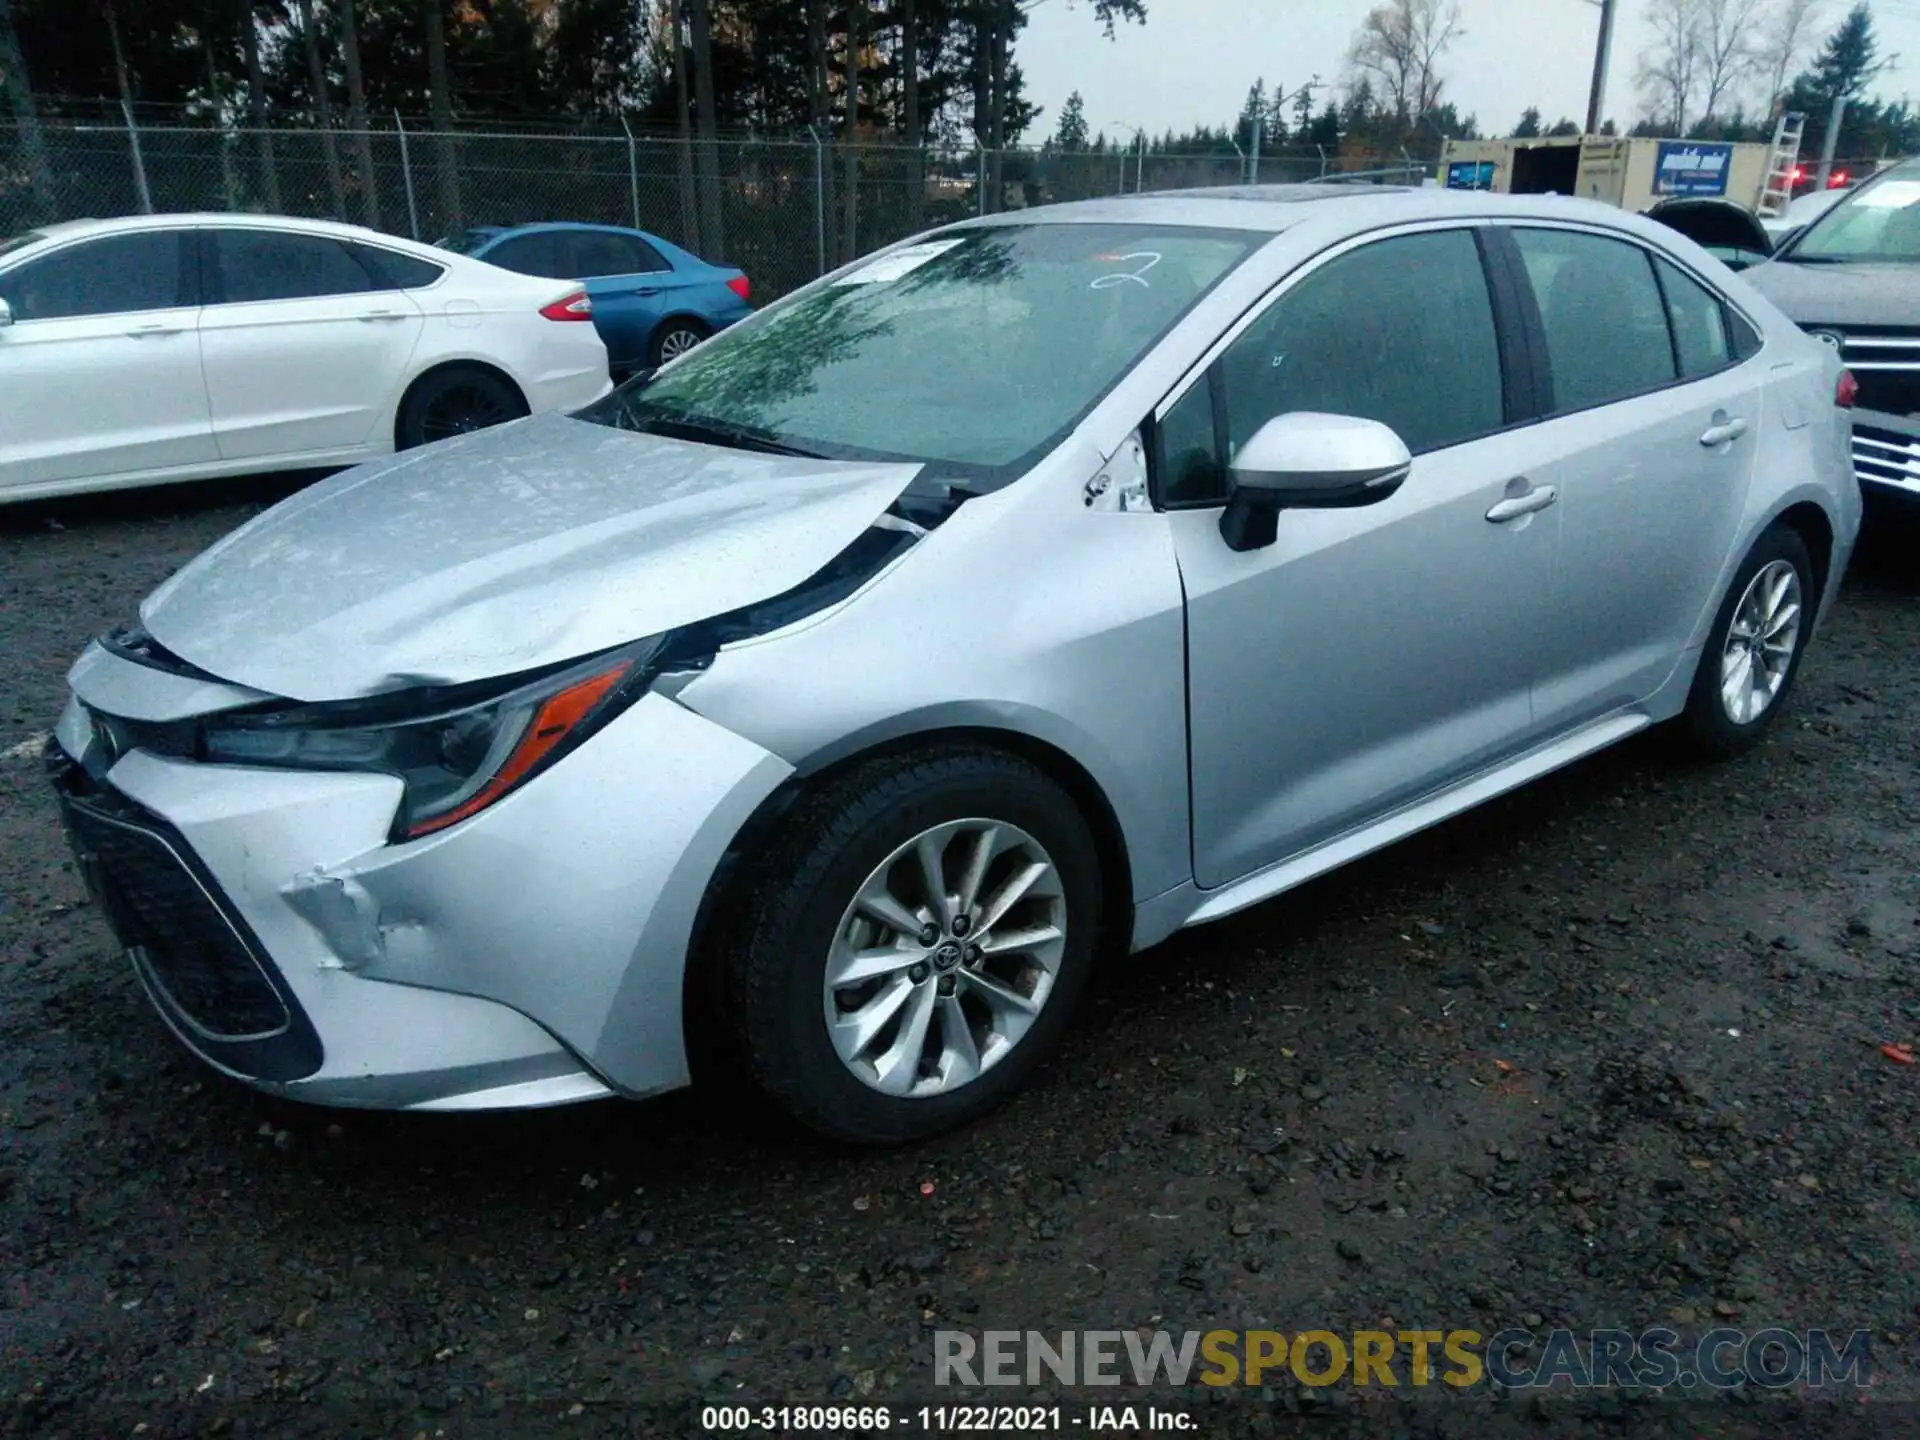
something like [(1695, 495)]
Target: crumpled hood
[(503, 551), (1841, 295)]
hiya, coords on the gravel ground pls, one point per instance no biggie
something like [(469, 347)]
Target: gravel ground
[(1603, 1053)]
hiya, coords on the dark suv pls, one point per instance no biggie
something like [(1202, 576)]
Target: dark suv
[(1852, 279)]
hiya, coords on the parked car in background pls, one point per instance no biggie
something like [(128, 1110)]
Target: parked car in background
[(1852, 278), (179, 347), (1731, 233), (652, 301), (1801, 212), (1020, 594)]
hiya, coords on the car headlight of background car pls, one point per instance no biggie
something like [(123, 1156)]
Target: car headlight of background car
[(456, 752)]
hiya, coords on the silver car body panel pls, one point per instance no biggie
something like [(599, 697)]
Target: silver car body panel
[(1370, 673), (503, 551)]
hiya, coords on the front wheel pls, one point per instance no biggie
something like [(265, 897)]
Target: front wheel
[(915, 944), (1753, 651)]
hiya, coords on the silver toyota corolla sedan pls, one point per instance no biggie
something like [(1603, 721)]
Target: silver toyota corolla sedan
[(1015, 596)]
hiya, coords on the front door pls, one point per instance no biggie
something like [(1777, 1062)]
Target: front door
[(1371, 655), (100, 369)]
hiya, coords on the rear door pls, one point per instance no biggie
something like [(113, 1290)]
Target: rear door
[(1654, 421), (304, 343), (100, 370), (631, 284)]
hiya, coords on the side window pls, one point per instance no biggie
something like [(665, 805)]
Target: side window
[(528, 255), (1400, 331), (115, 275), (1699, 322), (1188, 463), (1606, 325), (280, 265), (1746, 339), (393, 271), (591, 253)]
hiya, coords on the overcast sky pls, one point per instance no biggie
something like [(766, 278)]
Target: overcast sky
[(1192, 62)]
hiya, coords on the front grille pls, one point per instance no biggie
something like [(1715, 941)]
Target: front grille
[(1885, 457), (182, 940), (1887, 366)]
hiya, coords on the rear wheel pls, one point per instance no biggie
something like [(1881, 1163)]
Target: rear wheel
[(914, 945), (456, 401), (1752, 654), (675, 338)]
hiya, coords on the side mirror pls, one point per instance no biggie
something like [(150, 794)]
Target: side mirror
[(1309, 461), (6, 314)]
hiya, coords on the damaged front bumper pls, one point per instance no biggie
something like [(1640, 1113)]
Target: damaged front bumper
[(531, 955)]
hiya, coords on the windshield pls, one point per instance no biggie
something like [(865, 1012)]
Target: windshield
[(974, 351), (20, 242), (1879, 221)]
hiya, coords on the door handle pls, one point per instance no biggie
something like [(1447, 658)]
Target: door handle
[(371, 316), (1723, 433), (647, 291), (145, 332), (1514, 506)]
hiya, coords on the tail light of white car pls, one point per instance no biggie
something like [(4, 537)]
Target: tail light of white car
[(577, 306), (1846, 390)]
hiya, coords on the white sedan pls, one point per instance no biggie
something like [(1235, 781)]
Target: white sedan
[(181, 347)]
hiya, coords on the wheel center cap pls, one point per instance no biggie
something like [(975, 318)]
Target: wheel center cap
[(947, 957)]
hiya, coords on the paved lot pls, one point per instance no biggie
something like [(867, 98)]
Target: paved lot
[(1605, 1053)]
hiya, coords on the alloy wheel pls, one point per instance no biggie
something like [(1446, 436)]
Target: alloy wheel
[(1761, 641), (945, 957), (461, 409), (676, 343)]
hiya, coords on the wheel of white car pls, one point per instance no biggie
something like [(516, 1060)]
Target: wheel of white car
[(914, 943), (455, 400), (1752, 654)]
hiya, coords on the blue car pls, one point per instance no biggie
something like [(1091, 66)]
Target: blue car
[(651, 300)]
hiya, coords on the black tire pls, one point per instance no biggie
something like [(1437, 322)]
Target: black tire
[(1705, 726), (775, 954), (455, 401), (682, 331)]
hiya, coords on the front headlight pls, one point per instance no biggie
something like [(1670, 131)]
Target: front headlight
[(455, 757)]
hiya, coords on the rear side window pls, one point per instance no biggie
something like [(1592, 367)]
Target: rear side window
[(528, 255), (394, 271), (1605, 319), (255, 265), (1699, 322), (114, 275), (1746, 339), (589, 253)]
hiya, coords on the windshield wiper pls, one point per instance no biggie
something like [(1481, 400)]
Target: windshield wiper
[(719, 432)]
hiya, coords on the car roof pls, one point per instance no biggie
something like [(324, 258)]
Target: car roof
[(127, 224), (1271, 208)]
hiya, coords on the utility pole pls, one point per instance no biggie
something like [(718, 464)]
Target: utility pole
[(1603, 52), (1829, 147)]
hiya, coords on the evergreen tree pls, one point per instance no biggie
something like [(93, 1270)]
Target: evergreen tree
[(1071, 134), (1529, 126)]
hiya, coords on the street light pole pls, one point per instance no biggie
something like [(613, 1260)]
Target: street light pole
[(1602, 53)]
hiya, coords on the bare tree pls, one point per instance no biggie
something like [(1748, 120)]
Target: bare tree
[(849, 236), (1783, 41), (440, 109), (33, 145), (707, 127), (910, 110), (357, 112), (1728, 49), (1398, 47), (322, 107), (1670, 68), (257, 104)]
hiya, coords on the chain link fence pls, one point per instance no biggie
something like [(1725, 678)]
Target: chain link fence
[(783, 210)]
